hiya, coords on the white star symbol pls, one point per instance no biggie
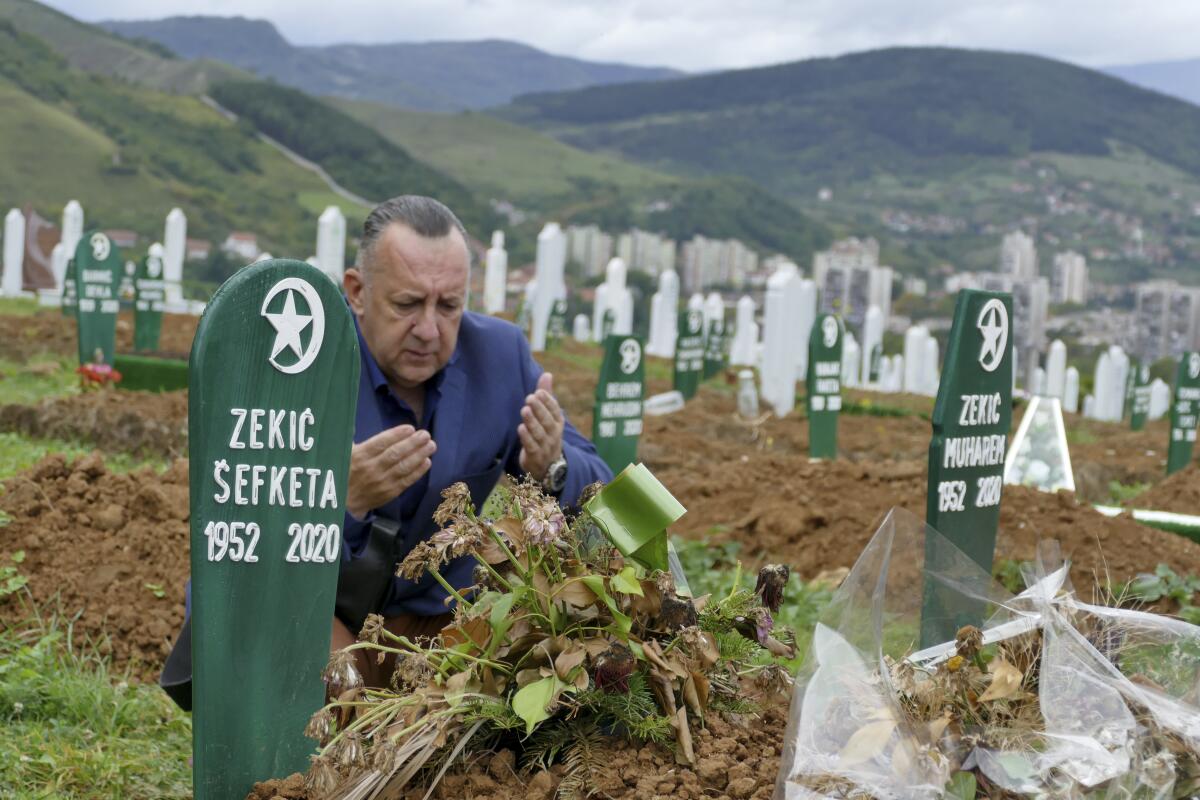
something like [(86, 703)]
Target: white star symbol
[(994, 329), (288, 326)]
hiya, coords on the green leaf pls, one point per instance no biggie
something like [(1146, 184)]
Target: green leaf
[(596, 584), (626, 581), (962, 785), (499, 619), (531, 703), (18, 556)]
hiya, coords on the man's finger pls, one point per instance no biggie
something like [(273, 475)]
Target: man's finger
[(546, 382), (534, 425), (529, 443), (543, 414), (403, 448), (385, 439), (551, 402), (410, 463)]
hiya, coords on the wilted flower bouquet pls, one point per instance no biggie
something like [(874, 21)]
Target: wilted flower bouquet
[(561, 641), (1046, 696)]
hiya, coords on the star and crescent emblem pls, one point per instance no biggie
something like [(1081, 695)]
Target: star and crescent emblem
[(1194, 365), (829, 331), (993, 326), (290, 323)]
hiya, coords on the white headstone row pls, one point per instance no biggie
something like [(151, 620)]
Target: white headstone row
[(664, 315), (550, 285), (495, 276), (1108, 390), (743, 350)]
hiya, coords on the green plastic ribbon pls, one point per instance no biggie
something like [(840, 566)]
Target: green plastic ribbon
[(634, 512)]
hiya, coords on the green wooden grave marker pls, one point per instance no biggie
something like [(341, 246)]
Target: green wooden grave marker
[(607, 323), (875, 364), (617, 419), (1130, 385), (272, 389), (971, 419), (823, 385), (1140, 408), (98, 270), (689, 353), (149, 294), (714, 348), (1184, 412), (556, 327)]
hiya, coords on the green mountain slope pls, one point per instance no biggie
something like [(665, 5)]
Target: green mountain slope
[(434, 76), (129, 154), (92, 49), (793, 126)]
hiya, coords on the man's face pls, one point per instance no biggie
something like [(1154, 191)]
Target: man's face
[(410, 302)]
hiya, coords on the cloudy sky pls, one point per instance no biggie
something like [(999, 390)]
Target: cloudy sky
[(712, 34)]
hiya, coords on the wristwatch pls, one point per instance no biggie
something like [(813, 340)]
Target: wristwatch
[(556, 475)]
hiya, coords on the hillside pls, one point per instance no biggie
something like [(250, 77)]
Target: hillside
[(547, 178), (129, 154), (936, 151), (1177, 78), (91, 49), (431, 76)]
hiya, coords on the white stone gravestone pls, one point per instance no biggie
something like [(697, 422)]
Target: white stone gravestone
[(1056, 370), (495, 276), (72, 230), (805, 311), (1100, 380), (896, 382), (582, 330), (914, 357), (1071, 391), (745, 334), (550, 284), (331, 243), (1119, 364), (929, 366), (1038, 386), (615, 295), (14, 253), (174, 250), (1160, 399), (872, 339), (851, 360), (664, 315), (780, 339), (1089, 407)]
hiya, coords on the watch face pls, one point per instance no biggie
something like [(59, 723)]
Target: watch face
[(556, 476)]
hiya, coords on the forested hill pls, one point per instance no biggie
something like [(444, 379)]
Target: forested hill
[(430, 76), (896, 110)]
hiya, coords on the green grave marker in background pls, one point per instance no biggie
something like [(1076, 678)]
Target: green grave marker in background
[(272, 392), (606, 324), (689, 353), (1140, 407), (971, 420), (68, 291), (149, 294), (1130, 385), (823, 385), (1184, 410), (875, 364), (98, 271), (714, 348), (617, 419), (556, 328)]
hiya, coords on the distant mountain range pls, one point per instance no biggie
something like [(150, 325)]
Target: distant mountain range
[(428, 76), (1177, 78)]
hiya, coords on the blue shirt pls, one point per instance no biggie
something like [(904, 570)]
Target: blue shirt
[(472, 409)]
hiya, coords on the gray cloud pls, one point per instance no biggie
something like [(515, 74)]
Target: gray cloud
[(714, 34)]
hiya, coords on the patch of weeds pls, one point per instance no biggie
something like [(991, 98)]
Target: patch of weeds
[(18, 453), (1121, 493), (1007, 573), (1167, 584)]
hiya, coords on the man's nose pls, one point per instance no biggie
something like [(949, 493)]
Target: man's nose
[(426, 325)]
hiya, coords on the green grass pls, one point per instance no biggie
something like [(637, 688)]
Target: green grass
[(17, 306), (69, 728), (18, 453), (20, 384), (497, 157)]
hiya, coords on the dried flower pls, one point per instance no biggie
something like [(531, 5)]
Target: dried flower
[(412, 671), (954, 663), (320, 726), (483, 579), (457, 540), (771, 582), (612, 668), (677, 612), (341, 675), (456, 504), (372, 629), (322, 779), (773, 678), (350, 752), (590, 491), (967, 641), (422, 558), (383, 756)]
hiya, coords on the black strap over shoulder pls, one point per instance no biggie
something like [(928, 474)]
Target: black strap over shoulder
[(363, 582)]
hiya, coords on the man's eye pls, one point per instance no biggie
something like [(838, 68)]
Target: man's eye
[(449, 306)]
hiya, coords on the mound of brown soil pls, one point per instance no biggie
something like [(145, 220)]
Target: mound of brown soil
[(48, 331), (112, 549), (141, 423), (1179, 492), (737, 758)]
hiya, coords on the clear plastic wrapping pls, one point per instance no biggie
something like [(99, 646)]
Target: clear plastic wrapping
[(1040, 695)]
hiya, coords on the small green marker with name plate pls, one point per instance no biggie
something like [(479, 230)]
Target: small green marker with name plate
[(823, 385)]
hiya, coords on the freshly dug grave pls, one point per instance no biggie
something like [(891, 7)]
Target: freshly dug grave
[(1179, 492), (48, 331), (140, 423), (737, 757), (110, 548)]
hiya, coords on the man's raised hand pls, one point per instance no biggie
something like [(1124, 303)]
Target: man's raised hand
[(385, 465), (541, 429)]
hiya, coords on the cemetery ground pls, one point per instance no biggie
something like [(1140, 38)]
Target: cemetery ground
[(94, 538)]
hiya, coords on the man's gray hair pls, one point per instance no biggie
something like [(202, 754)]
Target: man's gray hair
[(426, 217)]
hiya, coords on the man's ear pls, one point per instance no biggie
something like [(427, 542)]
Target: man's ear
[(355, 288)]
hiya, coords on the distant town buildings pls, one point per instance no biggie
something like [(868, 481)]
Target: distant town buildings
[(241, 244), (705, 262), (1168, 320), (197, 249), (122, 238), (915, 286), (1018, 256), (1069, 281), (645, 251), (590, 248), (850, 280)]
